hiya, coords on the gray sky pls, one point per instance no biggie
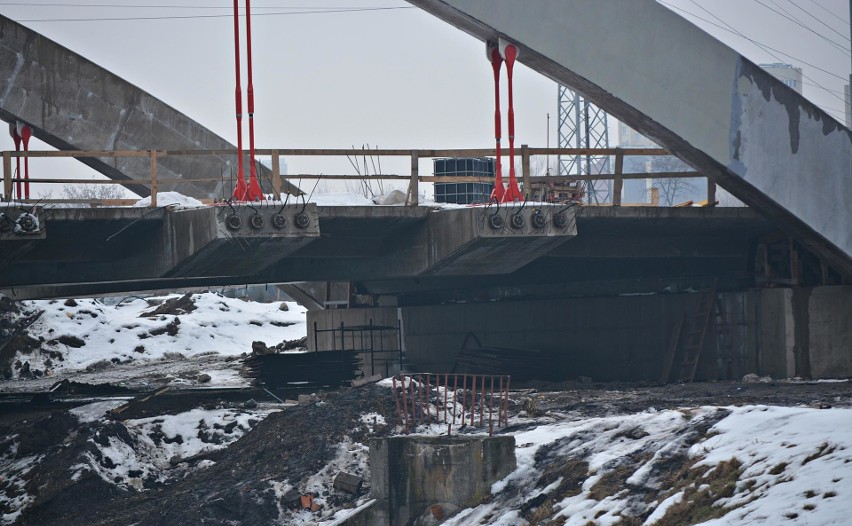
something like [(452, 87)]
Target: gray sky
[(396, 78)]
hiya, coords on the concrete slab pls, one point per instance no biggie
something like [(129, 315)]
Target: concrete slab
[(495, 240), (246, 240)]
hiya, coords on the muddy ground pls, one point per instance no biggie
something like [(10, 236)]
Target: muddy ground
[(296, 442)]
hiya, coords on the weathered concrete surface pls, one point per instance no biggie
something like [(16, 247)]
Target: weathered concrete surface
[(411, 474), (74, 104), (782, 333), (397, 242), (710, 106), (388, 251), (829, 337), (149, 248), (248, 248), (470, 242)]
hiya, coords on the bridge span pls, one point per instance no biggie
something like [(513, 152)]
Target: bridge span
[(603, 292)]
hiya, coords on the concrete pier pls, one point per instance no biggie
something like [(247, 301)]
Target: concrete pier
[(426, 479)]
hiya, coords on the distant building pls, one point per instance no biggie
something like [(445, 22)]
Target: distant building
[(786, 73), (635, 190), (630, 138), (848, 90)]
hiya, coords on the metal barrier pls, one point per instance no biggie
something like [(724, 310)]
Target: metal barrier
[(452, 399)]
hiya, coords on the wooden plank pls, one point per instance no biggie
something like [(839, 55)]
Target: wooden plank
[(599, 151), (296, 152), (122, 182), (711, 192), (459, 179), (276, 174), (618, 183), (82, 153), (413, 185), (7, 175), (93, 202), (606, 177), (153, 178)]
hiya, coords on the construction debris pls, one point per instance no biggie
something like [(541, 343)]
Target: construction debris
[(302, 369), (348, 482)]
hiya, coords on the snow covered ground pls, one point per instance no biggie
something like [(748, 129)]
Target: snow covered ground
[(755, 465), (113, 342), (696, 464)]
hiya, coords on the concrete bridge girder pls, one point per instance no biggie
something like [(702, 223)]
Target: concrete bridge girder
[(141, 249), (713, 108)]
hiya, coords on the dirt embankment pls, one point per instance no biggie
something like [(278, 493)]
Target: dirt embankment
[(254, 480), (239, 488)]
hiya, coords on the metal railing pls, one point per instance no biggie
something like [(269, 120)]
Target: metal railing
[(452, 400), (413, 178)]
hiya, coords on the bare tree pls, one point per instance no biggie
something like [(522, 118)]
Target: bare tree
[(673, 190), (93, 192)]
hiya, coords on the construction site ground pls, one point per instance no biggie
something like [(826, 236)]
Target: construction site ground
[(257, 478)]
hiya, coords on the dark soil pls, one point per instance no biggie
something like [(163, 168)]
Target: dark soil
[(174, 306), (297, 442), (292, 444)]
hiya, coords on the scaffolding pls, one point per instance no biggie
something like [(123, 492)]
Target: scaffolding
[(584, 125)]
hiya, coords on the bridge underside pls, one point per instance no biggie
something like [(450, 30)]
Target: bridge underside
[(418, 255), (668, 79)]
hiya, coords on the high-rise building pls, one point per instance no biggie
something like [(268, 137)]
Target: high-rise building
[(630, 138), (848, 89), (786, 73), (635, 190)]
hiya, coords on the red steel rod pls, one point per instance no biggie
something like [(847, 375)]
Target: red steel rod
[(428, 402), (16, 138), (455, 395), (472, 400), (490, 409), (500, 405), (513, 193), (446, 388), (26, 133), (254, 191), (482, 401), (496, 63), (240, 189), (396, 400), (404, 401), (506, 411), (413, 400), (464, 399)]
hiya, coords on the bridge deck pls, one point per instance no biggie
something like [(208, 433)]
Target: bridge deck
[(385, 249)]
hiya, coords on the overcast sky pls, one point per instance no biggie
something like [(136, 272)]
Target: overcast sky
[(393, 78)]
